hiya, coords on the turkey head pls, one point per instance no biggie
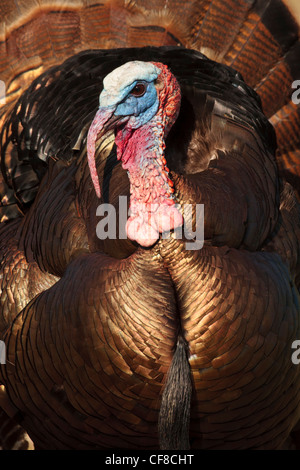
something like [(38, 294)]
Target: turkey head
[(141, 101)]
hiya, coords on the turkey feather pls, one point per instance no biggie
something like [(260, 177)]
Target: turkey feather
[(149, 109)]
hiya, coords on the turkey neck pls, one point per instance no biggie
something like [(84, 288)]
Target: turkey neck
[(152, 204), (142, 155)]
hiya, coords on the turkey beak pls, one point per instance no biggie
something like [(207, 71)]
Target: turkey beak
[(104, 121)]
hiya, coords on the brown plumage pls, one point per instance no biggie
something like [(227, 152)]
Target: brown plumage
[(109, 344)]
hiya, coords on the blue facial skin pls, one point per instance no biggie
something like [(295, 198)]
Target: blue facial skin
[(141, 109)]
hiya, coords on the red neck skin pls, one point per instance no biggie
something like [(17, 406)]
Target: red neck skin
[(152, 205)]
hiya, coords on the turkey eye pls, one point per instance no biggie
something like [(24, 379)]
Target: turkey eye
[(138, 90)]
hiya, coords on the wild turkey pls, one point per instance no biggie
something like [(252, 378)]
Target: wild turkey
[(141, 343)]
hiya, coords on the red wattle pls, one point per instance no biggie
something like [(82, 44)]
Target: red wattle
[(152, 205)]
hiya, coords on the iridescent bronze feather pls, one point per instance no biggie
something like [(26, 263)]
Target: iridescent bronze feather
[(113, 345)]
